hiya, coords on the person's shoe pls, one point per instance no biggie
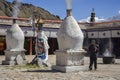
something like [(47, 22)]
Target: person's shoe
[(95, 69), (90, 69)]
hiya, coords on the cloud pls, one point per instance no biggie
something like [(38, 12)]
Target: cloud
[(115, 17), (99, 19), (96, 19), (119, 11)]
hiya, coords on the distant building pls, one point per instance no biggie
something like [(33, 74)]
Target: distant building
[(107, 34)]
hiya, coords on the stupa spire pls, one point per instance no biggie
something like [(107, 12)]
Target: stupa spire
[(69, 7)]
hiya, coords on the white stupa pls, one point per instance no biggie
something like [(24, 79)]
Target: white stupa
[(70, 56), (15, 38), (15, 52), (70, 36)]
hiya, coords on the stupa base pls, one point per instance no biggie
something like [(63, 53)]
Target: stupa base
[(70, 61), (13, 63), (70, 68), (14, 58)]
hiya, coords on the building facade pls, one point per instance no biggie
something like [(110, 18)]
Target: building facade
[(107, 34)]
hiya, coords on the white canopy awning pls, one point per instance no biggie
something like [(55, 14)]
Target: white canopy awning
[(92, 34), (3, 32), (30, 33), (105, 34), (115, 33)]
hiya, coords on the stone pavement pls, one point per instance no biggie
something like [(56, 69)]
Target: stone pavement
[(104, 72)]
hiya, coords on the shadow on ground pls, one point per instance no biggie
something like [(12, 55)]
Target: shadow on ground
[(43, 71)]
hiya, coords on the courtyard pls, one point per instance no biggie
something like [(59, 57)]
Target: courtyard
[(104, 71)]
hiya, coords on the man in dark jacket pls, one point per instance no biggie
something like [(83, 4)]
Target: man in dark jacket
[(93, 49)]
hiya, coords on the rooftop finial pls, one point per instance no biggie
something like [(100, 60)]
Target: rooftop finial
[(92, 19)]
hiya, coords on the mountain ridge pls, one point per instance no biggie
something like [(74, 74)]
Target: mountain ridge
[(25, 11)]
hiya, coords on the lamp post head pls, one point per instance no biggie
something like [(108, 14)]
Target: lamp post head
[(40, 23)]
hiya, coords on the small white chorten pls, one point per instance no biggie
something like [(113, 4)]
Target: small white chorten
[(15, 52)]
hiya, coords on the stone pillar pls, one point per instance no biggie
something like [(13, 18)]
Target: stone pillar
[(30, 46), (69, 61)]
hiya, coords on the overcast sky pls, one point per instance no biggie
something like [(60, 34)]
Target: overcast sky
[(81, 8)]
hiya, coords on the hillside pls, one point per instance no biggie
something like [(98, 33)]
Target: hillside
[(25, 10)]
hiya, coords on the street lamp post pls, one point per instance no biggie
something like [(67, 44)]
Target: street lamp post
[(39, 26), (33, 22)]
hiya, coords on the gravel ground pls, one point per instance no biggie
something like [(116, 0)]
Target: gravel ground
[(104, 72)]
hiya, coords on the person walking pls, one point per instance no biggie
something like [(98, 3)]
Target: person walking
[(93, 50)]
